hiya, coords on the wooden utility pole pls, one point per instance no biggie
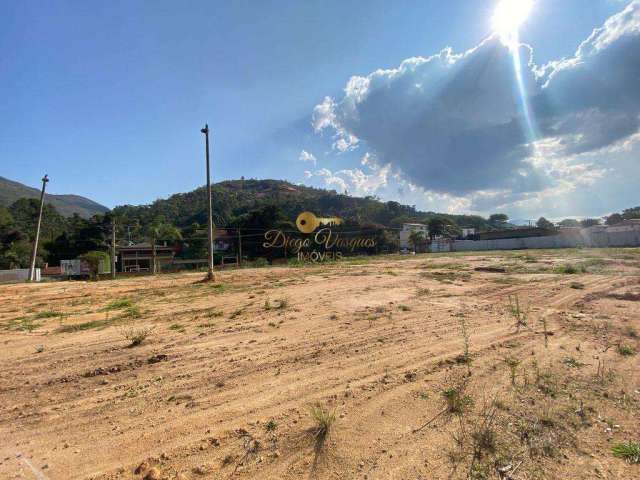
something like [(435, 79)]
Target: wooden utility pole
[(210, 276), (113, 248), (34, 252), (239, 247)]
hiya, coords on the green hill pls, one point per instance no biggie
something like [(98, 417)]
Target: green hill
[(67, 205), (237, 201)]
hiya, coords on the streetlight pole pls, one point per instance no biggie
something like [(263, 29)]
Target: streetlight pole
[(205, 130), (34, 252), (113, 248)]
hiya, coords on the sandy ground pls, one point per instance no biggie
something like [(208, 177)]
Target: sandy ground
[(221, 387)]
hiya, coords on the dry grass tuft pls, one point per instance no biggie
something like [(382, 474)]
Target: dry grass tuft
[(136, 335), (324, 419)]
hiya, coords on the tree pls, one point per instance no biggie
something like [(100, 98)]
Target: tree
[(544, 223), (498, 220), (589, 222), (417, 239), (95, 260), (614, 218), (630, 213), (158, 230), (6, 220), (437, 227), (569, 222)]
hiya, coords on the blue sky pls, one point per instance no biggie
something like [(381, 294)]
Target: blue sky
[(108, 98)]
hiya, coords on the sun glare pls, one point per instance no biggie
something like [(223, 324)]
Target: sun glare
[(508, 16)]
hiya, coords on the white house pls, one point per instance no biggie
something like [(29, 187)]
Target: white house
[(405, 233)]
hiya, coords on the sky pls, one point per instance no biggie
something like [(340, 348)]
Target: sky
[(420, 102)]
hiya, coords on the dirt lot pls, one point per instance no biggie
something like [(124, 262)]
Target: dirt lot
[(221, 387)]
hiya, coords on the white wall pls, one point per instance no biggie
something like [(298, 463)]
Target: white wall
[(586, 238), (18, 275)]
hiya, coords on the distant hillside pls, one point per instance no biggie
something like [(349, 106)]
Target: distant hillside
[(245, 202), (66, 205)]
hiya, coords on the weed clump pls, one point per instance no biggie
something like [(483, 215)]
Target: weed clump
[(513, 363), (48, 314), (136, 335), (518, 312), (131, 312), (457, 403), (324, 419), (629, 451), (118, 304), (571, 269), (278, 304), (626, 350), (271, 426)]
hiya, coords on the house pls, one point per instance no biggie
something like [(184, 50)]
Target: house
[(138, 257), (405, 234)]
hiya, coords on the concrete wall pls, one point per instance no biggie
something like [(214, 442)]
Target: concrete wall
[(586, 238), (17, 275)]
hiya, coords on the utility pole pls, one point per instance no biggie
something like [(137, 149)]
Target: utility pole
[(34, 253), (113, 248), (239, 248), (205, 130)]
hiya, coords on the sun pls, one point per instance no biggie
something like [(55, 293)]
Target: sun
[(507, 18)]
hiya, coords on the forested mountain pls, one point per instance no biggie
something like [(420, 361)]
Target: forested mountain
[(235, 202), (66, 205)]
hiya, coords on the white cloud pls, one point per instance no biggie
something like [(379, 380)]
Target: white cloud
[(307, 157), (355, 181), (453, 126)]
